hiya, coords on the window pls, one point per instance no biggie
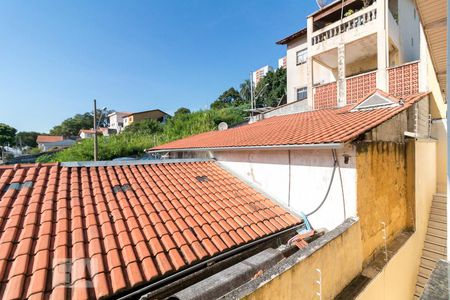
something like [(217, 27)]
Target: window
[(302, 93), (301, 56)]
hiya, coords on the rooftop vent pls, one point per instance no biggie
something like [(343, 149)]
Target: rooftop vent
[(375, 101), (18, 186), (121, 188), (202, 178)]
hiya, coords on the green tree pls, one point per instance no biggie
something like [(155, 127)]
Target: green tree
[(26, 138), (271, 88), (7, 135), (245, 91), (144, 126), (182, 111), (73, 125), (229, 98)]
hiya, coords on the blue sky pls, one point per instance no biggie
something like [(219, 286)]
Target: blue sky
[(56, 56)]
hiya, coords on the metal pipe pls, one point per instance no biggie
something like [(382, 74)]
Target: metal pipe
[(274, 147), (204, 263)]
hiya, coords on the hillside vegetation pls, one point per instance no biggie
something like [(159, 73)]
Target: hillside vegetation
[(229, 107), (146, 134)]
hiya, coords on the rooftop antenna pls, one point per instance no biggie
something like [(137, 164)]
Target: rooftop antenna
[(323, 3)]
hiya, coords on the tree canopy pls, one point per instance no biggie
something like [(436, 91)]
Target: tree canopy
[(7, 134), (182, 111), (271, 88), (26, 138), (144, 126), (73, 125), (229, 98)]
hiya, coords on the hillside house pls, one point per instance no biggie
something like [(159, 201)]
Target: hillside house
[(116, 120), (89, 133), (49, 142), (154, 114)]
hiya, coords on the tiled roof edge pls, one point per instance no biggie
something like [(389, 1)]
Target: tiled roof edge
[(262, 147), (131, 162)]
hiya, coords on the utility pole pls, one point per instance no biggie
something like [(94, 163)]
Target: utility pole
[(251, 94), (95, 131)]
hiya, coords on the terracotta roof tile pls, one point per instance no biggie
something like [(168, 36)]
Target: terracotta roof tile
[(49, 138), (337, 125), (72, 220)]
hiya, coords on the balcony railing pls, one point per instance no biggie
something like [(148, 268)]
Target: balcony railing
[(356, 20), (360, 86), (404, 79), (325, 96)]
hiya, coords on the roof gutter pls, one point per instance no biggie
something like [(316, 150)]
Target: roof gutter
[(205, 263), (246, 148)]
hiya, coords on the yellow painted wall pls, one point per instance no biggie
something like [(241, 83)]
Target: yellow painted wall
[(381, 193), (398, 278), (340, 261)]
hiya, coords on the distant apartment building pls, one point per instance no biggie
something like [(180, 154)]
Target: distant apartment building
[(154, 114), (282, 62), (116, 120), (260, 73), (49, 142)]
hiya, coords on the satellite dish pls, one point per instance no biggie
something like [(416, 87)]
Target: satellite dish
[(223, 126), (323, 3)]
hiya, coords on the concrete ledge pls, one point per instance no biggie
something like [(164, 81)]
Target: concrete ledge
[(249, 287), (230, 278)]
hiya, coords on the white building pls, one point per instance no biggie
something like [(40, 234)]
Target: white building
[(260, 73), (282, 62), (49, 142), (116, 120)]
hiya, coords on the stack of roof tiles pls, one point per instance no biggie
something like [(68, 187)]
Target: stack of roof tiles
[(335, 125), (91, 232)]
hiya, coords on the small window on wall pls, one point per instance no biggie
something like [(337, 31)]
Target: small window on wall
[(302, 93), (301, 56)]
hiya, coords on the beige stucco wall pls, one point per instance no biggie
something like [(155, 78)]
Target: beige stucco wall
[(381, 193), (296, 74), (339, 261), (363, 65), (398, 278)]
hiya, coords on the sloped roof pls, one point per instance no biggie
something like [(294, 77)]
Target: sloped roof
[(293, 36), (49, 138), (326, 126), (115, 228)]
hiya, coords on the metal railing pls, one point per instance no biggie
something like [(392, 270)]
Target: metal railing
[(351, 22)]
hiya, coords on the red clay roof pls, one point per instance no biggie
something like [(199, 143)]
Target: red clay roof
[(49, 138), (337, 125), (118, 227)]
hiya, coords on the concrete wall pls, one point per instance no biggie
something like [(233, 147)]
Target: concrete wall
[(363, 65), (439, 132), (339, 261), (398, 278), (382, 193), (438, 110), (408, 22), (302, 183)]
